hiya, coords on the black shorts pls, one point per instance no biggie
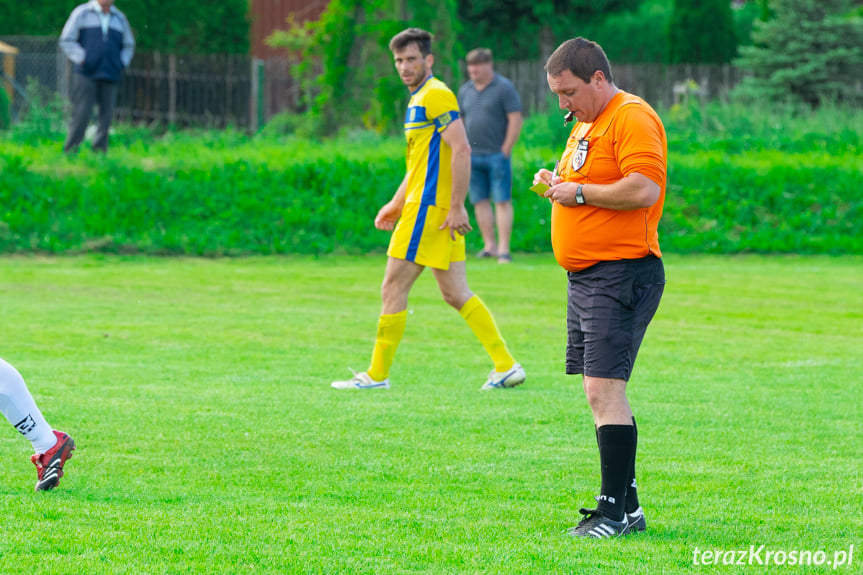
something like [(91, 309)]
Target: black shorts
[(609, 307)]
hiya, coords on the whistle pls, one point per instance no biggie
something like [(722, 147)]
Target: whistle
[(568, 118)]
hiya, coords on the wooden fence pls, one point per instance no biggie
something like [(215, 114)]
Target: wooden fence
[(659, 84), (212, 91), (207, 90), (219, 91)]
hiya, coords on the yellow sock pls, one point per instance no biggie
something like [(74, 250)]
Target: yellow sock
[(479, 318), (391, 327)]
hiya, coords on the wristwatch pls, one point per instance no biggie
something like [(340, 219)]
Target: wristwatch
[(579, 197)]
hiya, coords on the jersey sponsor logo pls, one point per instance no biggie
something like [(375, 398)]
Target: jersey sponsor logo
[(446, 119), (415, 114), (580, 155)]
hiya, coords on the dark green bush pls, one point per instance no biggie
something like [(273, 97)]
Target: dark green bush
[(738, 182), (778, 202), (239, 207)]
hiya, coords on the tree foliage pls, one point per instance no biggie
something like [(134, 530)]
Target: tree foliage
[(632, 36), (34, 18), (521, 29), (345, 64), (701, 32), (193, 26), (810, 51), (745, 17)]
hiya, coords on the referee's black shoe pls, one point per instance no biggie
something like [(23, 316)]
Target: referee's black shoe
[(635, 521), (597, 526)]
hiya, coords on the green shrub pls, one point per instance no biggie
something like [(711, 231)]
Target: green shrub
[(767, 202), (306, 125), (738, 181), (42, 119), (202, 205), (735, 129)]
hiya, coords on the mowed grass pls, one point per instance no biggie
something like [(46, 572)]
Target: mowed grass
[(209, 440)]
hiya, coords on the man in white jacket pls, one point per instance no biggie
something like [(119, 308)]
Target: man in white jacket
[(97, 38)]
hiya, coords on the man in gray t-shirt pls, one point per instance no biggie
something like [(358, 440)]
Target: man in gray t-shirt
[(491, 111)]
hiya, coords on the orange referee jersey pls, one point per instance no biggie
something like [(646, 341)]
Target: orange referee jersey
[(627, 137)]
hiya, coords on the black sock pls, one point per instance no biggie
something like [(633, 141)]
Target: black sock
[(616, 450), (631, 492)]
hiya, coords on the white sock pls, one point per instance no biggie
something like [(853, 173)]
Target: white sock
[(18, 406)]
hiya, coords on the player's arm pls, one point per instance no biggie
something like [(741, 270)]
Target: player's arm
[(390, 213), (628, 193), (513, 131), (457, 219)]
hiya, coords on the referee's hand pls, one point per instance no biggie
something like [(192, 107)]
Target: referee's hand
[(543, 176)]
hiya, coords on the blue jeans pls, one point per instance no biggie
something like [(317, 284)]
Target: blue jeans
[(490, 177)]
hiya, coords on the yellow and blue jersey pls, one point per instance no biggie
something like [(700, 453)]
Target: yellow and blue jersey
[(418, 237), (431, 109)]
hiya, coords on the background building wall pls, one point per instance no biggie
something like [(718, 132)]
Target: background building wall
[(269, 15)]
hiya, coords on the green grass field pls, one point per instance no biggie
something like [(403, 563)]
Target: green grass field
[(209, 440)]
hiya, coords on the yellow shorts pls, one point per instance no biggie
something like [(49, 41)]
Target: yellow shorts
[(417, 238)]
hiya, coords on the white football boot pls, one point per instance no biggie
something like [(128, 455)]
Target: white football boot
[(510, 378), (361, 381)]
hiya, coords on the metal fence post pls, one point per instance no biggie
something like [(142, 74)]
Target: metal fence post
[(64, 68), (256, 103), (253, 98), (172, 89)]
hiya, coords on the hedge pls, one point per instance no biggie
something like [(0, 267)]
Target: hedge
[(264, 198)]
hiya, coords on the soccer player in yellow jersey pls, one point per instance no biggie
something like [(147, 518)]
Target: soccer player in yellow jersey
[(430, 220)]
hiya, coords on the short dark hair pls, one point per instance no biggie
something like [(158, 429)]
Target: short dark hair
[(409, 36), (581, 57), (479, 56)]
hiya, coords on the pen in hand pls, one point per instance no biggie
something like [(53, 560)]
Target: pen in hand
[(554, 173)]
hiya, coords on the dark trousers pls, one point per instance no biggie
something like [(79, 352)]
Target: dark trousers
[(86, 93)]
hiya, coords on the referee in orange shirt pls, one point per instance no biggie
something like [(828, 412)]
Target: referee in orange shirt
[(607, 200)]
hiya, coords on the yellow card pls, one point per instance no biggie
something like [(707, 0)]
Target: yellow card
[(539, 189)]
